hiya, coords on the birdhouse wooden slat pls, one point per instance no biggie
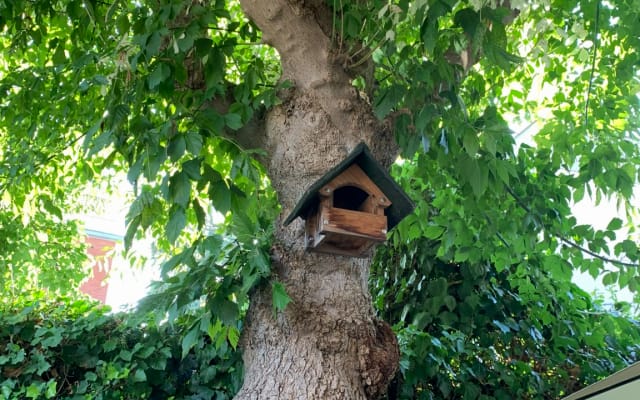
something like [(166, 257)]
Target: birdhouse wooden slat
[(352, 207)]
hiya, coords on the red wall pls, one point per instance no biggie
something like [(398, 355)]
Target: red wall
[(94, 286)]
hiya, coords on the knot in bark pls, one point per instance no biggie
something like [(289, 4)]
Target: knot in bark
[(379, 360)]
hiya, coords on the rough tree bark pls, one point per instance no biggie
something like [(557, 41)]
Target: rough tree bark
[(327, 344)]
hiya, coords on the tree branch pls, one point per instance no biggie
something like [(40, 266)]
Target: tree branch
[(596, 255), (563, 238), (301, 33)]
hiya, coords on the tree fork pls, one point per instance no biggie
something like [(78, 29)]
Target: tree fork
[(327, 343)]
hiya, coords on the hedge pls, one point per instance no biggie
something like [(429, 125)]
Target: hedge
[(77, 349)]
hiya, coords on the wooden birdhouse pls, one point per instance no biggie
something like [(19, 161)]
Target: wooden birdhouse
[(352, 207)]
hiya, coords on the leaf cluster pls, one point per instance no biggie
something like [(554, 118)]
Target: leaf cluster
[(39, 252), (453, 76), (468, 330), (157, 90), (76, 349)]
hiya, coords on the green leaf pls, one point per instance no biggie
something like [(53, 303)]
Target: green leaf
[(434, 231), (220, 196), (259, 260), (279, 296), (33, 391), (177, 147), (424, 117), (429, 34), (201, 215), (450, 302), (125, 355), (112, 10), (470, 142), (158, 75), (52, 389), (610, 278), (180, 189), (388, 100), (469, 20), (53, 340), (227, 311), (153, 44), (471, 391), (99, 143), (475, 174), (422, 319), (50, 207), (192, 169), (438, 287), (189, 340), (175, 225), (615, 224), (194, 143), (233, 121), (233, 336), (211, 121), (59, 56), (140, 375), (88, 7)]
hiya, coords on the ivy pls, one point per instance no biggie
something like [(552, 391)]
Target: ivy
[(81, 350), (465, 324)]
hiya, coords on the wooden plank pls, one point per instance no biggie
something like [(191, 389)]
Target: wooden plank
[(354, 176), (353, 223), (310, 230), (346, 245), (339, 249), (372, 205)]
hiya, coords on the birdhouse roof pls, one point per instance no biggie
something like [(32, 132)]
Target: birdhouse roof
[(401, 205)]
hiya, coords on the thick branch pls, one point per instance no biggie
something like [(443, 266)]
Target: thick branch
[(294, 31), (251, 134), (298, 31)]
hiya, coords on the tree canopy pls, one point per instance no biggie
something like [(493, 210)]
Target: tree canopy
[(476, 282)]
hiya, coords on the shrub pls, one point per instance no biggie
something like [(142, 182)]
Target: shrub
[(76, 349)]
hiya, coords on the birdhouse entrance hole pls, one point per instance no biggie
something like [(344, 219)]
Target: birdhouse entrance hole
[(349, 198)]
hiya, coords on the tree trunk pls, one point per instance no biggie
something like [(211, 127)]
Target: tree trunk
[(327, 344)]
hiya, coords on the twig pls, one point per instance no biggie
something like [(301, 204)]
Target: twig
[(596, 255), (526, 128), (498, 234), (562, 238)]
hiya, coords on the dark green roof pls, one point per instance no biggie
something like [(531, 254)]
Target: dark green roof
[(400, 206)]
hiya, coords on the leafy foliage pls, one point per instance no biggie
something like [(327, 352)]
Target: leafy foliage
[(470, 331), (75, 349), (477, 280), (39, 252), (147, 89)]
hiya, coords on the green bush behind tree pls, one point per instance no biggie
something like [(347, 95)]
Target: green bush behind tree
[(67, 348), (473, 332)]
